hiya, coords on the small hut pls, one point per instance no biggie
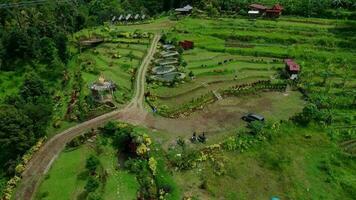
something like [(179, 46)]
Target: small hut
[(137, 17), (292, 68), (128, 17), (113, 19), (185, 10), (121, 18), (186, 44), (103, 90)]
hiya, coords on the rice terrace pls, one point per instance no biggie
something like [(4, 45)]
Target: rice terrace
[(178, 100)]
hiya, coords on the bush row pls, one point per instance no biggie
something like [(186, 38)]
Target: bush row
[(20, 168)]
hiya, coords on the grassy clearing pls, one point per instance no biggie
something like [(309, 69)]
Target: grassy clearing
[(290, 167), (66, 179)]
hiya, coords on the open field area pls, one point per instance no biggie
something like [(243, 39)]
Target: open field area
[(70, 185)]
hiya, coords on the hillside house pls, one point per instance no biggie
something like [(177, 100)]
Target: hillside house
[(274, 12), (186, 45), (292, 68)]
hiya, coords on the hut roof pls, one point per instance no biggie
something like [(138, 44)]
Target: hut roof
[(292, 66), (168, 46), (113, 19), (137, 16), (101, 85), (121, 17), (128, 17), (186, 8), (258, 7), (169, 53)]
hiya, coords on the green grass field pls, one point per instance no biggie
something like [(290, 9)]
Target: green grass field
[(66, 179), (290, 167)]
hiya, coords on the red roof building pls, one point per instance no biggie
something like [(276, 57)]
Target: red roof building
[(275, 11), (291, 66), (186, 44)]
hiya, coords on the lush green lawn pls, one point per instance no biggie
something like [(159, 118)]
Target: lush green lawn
[(64, 180), (67, 177)]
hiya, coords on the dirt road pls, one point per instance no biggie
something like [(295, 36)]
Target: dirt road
[(133, 113)]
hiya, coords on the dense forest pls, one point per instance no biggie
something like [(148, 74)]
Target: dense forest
[(34, 42)]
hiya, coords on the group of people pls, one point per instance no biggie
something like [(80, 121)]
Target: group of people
[(201, 138)]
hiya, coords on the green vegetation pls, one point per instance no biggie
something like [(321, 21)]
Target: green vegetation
[(305, 150), (90, 170)]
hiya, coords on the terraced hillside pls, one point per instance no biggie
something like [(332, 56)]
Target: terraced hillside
[(230, 52)]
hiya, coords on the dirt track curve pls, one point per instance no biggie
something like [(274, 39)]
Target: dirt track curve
[(133, 113)]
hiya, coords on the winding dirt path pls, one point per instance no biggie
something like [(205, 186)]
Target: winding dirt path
[(42, 160)]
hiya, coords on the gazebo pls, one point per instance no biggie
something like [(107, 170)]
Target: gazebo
[(103, 90)]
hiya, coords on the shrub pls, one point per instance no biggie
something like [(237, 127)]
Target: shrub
[(91, 185), (92, 163)]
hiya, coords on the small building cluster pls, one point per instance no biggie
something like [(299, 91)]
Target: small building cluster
[(166, 66), (185, 10), (292, 68), (128, 18), (257, 10), (103, 90)]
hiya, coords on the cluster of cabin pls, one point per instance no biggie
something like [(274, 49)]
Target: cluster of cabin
[(129, 18), (166, 65), (257, 10)]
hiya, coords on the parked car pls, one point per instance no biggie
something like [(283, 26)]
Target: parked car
[(253, 117)]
